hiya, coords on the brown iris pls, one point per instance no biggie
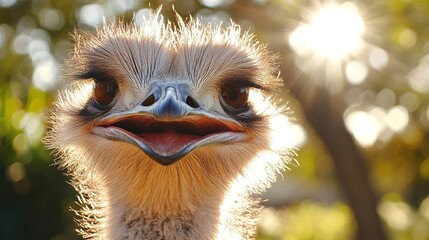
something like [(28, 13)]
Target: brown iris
[(235, 95), (105, 91)]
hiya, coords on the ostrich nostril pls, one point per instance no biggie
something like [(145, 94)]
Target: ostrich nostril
[(192, 102), (149, 101)]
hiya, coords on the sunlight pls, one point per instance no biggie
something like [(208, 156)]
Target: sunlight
[(328, 37), (333, 32), (287, 134), (337, 30)]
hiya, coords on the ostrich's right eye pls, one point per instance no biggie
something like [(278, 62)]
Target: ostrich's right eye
[(105, 91)]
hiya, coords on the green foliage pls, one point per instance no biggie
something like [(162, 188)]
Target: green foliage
[(307, 221)]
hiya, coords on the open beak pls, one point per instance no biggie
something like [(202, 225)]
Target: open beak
[(169, 129)]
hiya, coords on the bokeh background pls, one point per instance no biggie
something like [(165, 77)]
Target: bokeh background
[(356, 75)]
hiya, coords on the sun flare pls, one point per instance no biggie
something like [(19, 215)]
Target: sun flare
[(326, 40), (333, 32)]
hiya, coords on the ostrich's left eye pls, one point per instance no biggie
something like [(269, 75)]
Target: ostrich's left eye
[(105, 91), (235, 96)]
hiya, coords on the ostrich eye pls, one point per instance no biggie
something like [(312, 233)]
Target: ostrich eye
[(105, 91), (235, 96)]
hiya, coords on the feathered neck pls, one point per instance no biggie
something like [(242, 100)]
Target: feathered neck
[(197, 198)]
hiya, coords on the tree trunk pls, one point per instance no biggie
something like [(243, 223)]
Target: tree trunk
[(322, 113)]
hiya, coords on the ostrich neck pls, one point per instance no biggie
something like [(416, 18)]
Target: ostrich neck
[(170, 204), (193, 222)]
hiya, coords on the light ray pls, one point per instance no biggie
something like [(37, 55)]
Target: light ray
[(329, 36), (333, 32)]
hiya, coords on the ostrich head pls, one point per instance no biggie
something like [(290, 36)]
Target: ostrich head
[(167, 130)]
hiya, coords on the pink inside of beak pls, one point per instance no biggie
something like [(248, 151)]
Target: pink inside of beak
[(168, 142), (167, 138)]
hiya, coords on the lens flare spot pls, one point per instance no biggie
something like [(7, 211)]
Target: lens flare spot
[(16, 172), (378, 58), (364, 127), (407, 38), (397, 118), (356, 72)]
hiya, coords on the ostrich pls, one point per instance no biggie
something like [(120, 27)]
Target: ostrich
[(168, 131)]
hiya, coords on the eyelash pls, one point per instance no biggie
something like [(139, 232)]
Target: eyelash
[(240, 80)]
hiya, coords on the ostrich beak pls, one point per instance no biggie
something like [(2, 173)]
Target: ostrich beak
[(169, 128)]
